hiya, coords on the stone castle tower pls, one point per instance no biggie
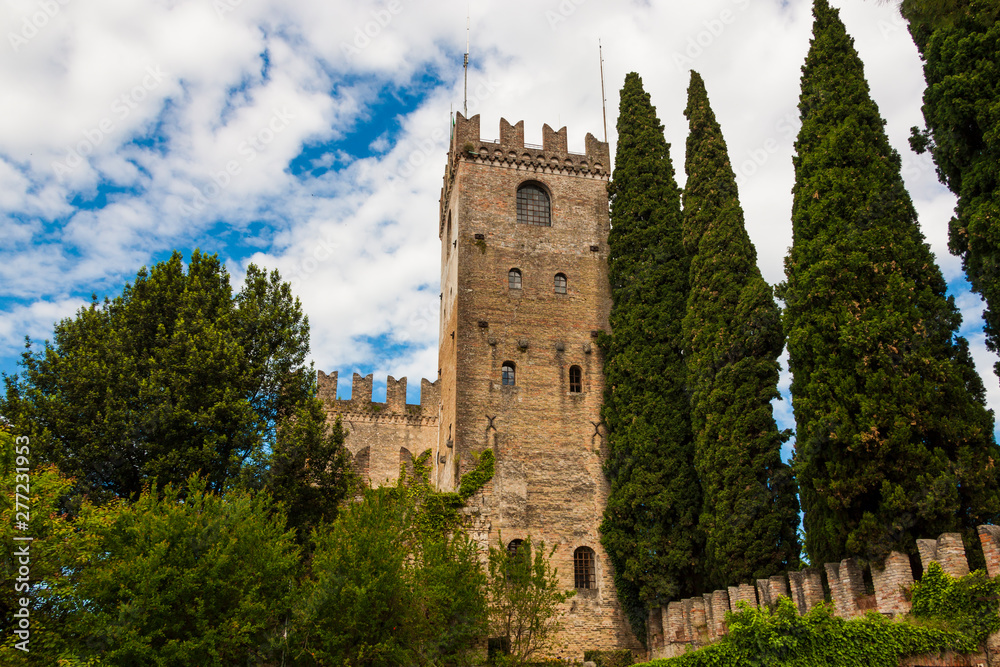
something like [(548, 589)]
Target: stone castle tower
[(524, 293)]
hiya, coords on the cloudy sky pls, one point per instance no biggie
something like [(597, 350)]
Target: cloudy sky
[(310, 137)]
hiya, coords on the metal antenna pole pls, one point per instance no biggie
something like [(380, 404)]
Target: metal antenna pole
[(465, 103), (604, 100)]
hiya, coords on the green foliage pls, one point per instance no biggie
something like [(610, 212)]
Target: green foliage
[(619, 658), (893, 439), (650, 522), (176, 375), (523, 595), (761, 638), (384, 592), (51, 552), (310, 468), (959, 42), (968, 604), (478, 477), (733, 338), (192, 579)]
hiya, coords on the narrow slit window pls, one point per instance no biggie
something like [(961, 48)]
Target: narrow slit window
[(514, 279), (575, 379), (560, 283), (584, 570), (533, 206), (507, 374)]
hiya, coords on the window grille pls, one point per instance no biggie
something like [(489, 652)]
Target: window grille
[(584, 571), (575, 379), (533, 206), (560, 283), (514, 279), (507, 372)]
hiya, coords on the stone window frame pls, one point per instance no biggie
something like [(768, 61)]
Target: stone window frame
[(560, 283), (575, 383), (532, 209), (515, 279), (508, 374), (584, 568)]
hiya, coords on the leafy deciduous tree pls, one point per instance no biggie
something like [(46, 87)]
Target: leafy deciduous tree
[(524, 596), (176, 375)]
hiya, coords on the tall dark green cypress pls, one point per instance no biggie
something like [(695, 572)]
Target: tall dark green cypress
[(650, 522), (894, 442), (959, 41), (733, 337)]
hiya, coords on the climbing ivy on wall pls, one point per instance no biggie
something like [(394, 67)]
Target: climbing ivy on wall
[(439, 510), (948, 614)]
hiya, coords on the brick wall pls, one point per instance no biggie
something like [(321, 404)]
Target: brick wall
[(679, 627), (383, 436)]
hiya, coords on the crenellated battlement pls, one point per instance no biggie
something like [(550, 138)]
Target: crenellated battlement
[(686, 624), (395, 408), (511, 152)]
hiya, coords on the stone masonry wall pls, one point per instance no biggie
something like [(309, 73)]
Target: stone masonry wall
[(547, 440), (383, 436), (682, 625)]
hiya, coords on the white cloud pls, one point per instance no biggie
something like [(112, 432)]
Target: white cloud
[(361, 239)]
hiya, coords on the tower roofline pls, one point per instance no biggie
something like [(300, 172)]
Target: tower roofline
[(511, 145)]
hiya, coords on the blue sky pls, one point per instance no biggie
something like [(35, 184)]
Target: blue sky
[(310, 137)]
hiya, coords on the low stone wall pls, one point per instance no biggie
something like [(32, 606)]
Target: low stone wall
[(686, 624)]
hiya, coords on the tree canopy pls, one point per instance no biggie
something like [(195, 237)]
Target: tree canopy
[(959, 42), (733, 338), (650, 522), (894, 442), (176, 375)]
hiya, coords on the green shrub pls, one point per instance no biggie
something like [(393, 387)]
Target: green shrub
[(618, 658)]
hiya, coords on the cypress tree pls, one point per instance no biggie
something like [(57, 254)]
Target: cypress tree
[(894, 442), (959, 42), (733, 337), (650, 522)]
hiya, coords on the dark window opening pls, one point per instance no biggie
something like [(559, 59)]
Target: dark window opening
[(513, 547), (533, 206), (560, 283), (575, 379), (584, 570), (514, 279), (507, 375)]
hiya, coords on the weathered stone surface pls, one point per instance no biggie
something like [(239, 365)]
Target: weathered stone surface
[(547, 439), (892, 583), (807, 589)]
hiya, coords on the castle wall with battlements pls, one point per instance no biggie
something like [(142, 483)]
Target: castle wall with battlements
[(383, 436), (688, 624)]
